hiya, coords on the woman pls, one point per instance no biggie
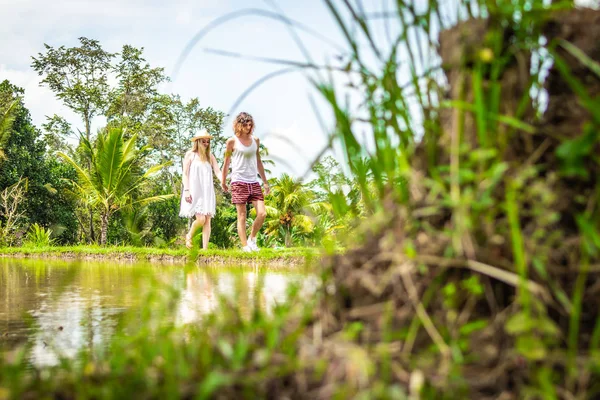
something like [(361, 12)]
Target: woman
[(243, 152), (198, 196)]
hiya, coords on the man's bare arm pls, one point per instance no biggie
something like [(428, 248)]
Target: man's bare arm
[(261, 168)]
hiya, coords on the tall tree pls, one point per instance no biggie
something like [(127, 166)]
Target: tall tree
[(78, 76), (136, 89), (57, 131), (137, 105), (114, 177), (46, 203)]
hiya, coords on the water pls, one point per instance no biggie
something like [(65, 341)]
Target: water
[(60, 307)]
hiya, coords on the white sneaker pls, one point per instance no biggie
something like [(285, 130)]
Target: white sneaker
[(252, 244), (247, 249)]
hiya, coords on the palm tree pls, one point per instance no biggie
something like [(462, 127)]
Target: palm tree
[(287, 207), (114, 177)]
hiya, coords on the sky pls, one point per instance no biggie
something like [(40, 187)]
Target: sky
[(286, 121), (287, 109)]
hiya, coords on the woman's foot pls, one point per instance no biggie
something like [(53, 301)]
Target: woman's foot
[(188, 241)]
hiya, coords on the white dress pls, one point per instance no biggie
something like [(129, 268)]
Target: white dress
[(201, 189)]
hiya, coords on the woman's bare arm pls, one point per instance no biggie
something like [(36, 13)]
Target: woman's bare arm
[(215, 167)]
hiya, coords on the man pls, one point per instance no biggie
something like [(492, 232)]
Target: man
[(242, 151)]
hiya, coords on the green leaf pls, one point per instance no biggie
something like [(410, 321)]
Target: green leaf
[(240, 351), (578, 87), (272, 338), (482, 154), (581, 56), (226, 349), (539, 266), (473, 285), (531, 347), (518, 324), (590, 234), (211, 383), (548, 327), (353, 330), (573, 153), (473, 326)]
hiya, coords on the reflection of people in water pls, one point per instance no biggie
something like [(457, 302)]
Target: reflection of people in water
[(274, 290), (198, 298), (270, 288), (203, 293)]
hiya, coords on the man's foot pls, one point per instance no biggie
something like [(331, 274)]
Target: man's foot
[(246, 249), (188, 242), (252, 244)]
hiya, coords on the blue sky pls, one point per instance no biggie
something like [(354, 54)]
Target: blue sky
[(281, 107)]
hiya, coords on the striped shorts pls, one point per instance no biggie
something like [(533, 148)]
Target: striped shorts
[(243, 193)]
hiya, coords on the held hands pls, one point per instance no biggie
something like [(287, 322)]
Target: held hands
[(224, 187), (188, 196), (267, 188)]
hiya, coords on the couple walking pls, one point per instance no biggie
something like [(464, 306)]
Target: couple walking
[(198, 197)]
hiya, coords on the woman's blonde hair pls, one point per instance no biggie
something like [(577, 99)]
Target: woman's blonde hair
[(239, 122), (204, 155)]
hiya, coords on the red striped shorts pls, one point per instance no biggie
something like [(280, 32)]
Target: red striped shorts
[(242, 193)]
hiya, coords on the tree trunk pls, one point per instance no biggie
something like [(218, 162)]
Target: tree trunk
[(92, 233), (88, 129), (104, 228), (288, 237)]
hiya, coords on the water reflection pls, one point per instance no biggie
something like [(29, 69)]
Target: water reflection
[(59, 307)]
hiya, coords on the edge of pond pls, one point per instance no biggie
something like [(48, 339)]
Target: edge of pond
[(268, 259)]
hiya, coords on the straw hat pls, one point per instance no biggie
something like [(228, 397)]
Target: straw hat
[(203, 134)]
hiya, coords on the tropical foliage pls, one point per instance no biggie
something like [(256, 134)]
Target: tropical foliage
[(287, 203), (101, 186), (7, 117), (38, 236), (114, 177)]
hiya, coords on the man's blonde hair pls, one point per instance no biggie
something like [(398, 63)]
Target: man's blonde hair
[(242, 119)]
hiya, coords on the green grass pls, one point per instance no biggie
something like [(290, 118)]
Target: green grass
[(293, 255)]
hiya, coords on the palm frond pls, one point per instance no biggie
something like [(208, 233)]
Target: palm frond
[(271, 211), (304, 222), (83, 175), (152, 199), (110, 157)]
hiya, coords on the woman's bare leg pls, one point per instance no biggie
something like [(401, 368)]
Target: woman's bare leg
[(206, 232), (200, 219)]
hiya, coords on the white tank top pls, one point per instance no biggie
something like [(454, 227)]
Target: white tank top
[(243, 162)]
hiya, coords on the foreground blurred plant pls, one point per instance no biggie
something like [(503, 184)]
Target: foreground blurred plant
[(474, 275)]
